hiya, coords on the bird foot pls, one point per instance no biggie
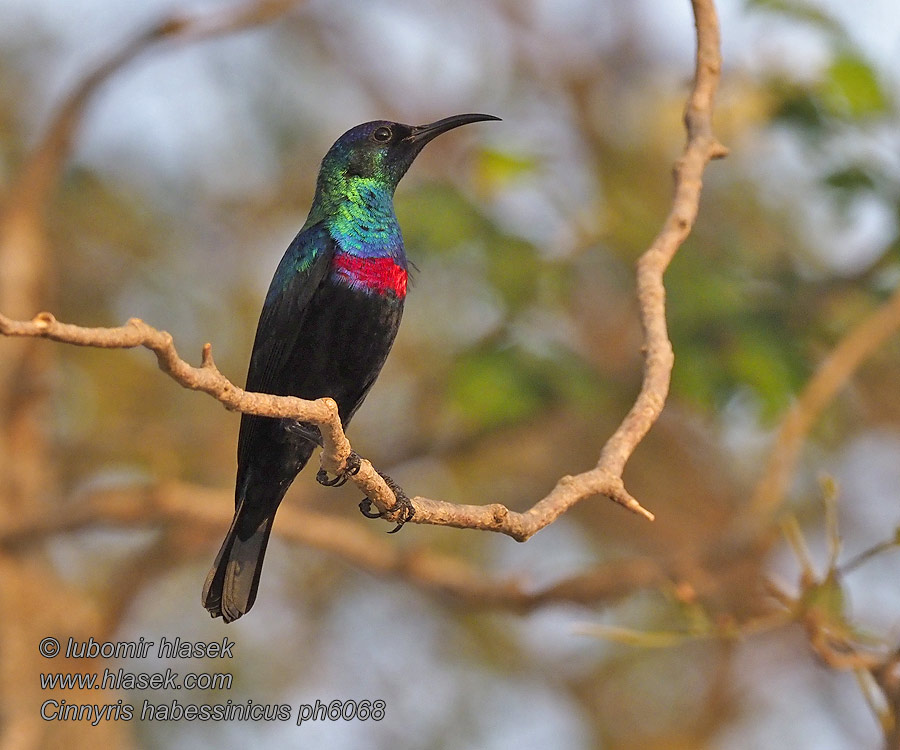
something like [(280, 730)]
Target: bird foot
[(402, 511), (351, 468)]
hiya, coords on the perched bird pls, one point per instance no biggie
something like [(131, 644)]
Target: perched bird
[(326, 327)]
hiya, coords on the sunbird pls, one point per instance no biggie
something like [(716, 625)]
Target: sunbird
[(326, 327)]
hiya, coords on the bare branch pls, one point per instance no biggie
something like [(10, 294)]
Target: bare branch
[(701, 147)]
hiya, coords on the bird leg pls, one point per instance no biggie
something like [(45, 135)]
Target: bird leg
[(402, 511), (351, 468), (302, 431)]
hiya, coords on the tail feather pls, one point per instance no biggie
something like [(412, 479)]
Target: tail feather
[(264, 475), (231, 585)]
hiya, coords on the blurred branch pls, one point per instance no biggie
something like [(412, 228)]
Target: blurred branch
[(40, 172), (887, 677), (29, 194), (831, 642), (179, 504), (22, 261), (858, 345), (26, 268)]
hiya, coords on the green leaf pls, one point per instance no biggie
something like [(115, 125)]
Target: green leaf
[(501, 167), (800, 108), (852, 88), (853, 179), (494, 387), (758, 358), (828, 598)]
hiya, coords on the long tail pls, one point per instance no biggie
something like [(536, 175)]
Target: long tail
[(231, 585)]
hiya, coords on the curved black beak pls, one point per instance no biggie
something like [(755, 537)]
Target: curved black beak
[(422, 134)]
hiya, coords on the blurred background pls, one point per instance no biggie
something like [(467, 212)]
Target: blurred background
[(190, 171)]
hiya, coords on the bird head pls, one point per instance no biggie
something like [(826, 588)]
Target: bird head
[(382, 151)]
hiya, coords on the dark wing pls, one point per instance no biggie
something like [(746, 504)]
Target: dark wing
[(299, 274)]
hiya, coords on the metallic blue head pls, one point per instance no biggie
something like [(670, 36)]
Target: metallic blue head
[(382, 151)]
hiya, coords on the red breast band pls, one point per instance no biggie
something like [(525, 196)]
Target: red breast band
[(376, 274)]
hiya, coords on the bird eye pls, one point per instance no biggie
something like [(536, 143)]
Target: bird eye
[(382, 134)]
